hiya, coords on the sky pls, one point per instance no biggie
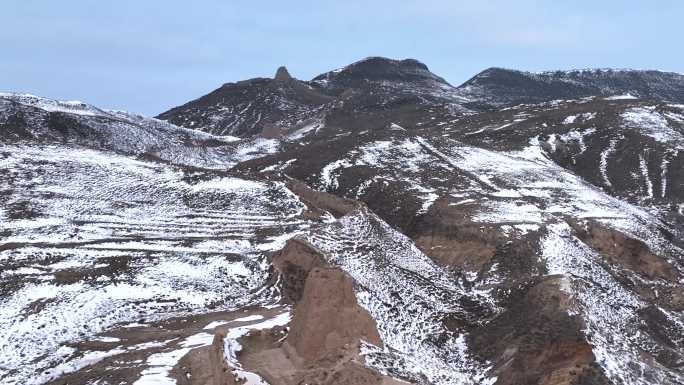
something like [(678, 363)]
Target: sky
[(147, 56)]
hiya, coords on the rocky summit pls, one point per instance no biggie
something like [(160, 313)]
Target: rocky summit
[(373, 225)]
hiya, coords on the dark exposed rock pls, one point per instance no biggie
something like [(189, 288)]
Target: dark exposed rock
[(282, 74), (535, 341)]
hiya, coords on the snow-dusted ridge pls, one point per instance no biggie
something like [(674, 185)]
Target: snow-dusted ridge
[(72, 107), (131, 134), (602, 70)]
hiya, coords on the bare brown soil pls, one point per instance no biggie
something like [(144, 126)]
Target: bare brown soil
[(625, 252)]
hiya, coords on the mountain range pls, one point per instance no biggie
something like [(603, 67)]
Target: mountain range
[(372, 225)]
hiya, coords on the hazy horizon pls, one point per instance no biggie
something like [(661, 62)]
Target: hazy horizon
[(152, 56)]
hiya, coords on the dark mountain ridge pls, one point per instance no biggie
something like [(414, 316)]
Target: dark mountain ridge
[(376, 69), (499, 86), (248, 107)]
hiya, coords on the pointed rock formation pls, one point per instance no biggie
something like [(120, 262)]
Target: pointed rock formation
[(282, 74)]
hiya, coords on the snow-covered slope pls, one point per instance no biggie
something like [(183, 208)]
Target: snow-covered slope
[(93, 239), (408, 295)]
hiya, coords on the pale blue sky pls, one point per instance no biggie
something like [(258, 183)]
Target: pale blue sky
[(148, 55)]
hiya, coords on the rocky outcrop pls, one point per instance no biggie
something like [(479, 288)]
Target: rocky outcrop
[(328, 318), (624, 251), (282, 74), (293, 264), (206, 366)]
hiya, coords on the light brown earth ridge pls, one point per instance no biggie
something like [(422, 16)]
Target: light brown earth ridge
[(327, 328)]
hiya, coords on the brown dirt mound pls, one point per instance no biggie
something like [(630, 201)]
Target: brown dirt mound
[(328, 317)]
